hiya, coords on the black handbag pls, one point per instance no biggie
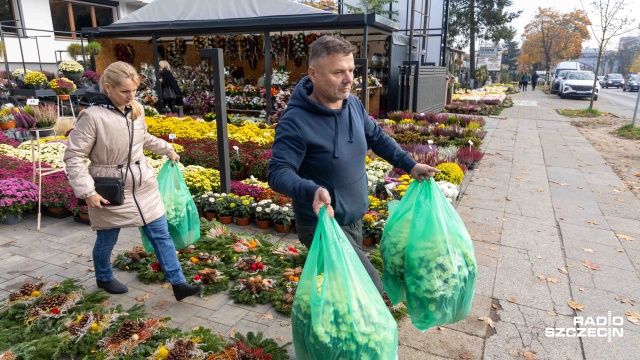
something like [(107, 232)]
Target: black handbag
[(112, 188), (168, 94)]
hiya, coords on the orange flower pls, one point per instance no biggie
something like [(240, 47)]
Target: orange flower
[(194, 260)]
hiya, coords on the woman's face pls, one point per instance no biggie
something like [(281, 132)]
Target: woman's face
[(123, 94)]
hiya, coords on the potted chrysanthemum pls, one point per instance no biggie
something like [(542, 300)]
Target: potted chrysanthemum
[(16, 197), (62, 87)]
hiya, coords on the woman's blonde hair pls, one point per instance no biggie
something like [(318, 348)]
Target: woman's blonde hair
[(117, 72), (164, 64)]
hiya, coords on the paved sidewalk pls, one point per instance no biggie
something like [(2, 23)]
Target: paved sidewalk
[(542, 199)]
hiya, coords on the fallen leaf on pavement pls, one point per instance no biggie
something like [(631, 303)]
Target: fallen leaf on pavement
[(563, 271), (620, 250), (40, 277), (581, 289), (538, 257), (591, 266), (540, 190), (638, 175), (69, 262), (281, 338), (512, 299), (440, 328), (525, 172), (618, 199), (552, 313), (206, 298), (91, 269), (79, 254), (569, 265), (559, 183), (514, 352), (553, 280), (268, 316), (232, 333), (626, 300), (465, 355), (494, 306), (576, 306), (618, 190), (166, 285), (487, 321), (519, 178), (589, 250), (529, 355), (90, 260), (159, 304), (591, 222), (633, 316), (541, 277), (624, 237), (142, 298)]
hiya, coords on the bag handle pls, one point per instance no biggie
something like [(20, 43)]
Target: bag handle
[(130, 131)]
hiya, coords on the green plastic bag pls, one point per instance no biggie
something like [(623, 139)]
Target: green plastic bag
[(337, 312), (428, 258), (182, 214)]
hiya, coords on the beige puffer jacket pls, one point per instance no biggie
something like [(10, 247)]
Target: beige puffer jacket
[(101, 135)]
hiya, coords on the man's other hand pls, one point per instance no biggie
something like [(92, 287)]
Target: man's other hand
[(421, 172), (322, 197)]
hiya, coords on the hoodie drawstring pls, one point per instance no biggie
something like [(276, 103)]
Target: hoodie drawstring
[(350, 125), (335, 139)]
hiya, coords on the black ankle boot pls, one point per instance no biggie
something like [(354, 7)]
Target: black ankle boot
[(112, 287), (183, 290)]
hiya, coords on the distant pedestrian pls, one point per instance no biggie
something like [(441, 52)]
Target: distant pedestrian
[(525, 81), (534, 80), (519, 78)]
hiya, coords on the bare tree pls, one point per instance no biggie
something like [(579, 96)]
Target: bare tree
[(613, 22)]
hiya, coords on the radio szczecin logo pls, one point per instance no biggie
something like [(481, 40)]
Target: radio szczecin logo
[(590, 326)]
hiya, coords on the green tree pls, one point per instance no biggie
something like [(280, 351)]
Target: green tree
[(379, 7), (513, 51), (484, 19)]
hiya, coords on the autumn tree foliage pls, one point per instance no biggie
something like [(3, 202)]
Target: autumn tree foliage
[(552, 37)]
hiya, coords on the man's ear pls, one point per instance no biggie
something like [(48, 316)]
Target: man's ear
[(312, 74)]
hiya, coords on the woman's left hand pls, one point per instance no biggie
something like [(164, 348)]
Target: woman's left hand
[(173, 156)]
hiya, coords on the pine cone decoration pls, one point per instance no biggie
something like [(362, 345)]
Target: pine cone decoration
[(203, 257), (15, 296), (127, 329), (288, 298), (209, 276), (180, 350), (136, 254), (27, 289), (74, 328), (54, 301)]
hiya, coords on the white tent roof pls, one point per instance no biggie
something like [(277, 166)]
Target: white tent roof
[(193, 10)]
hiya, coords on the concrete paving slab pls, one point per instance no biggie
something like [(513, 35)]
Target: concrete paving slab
[(593, 220), (228, 315), (537, 238), (607, 278), (513, 339), (598, 303), (588, 234), (625, 210), (517, 277), (602, 254), (526, 210), (410, 353), (447, 343)]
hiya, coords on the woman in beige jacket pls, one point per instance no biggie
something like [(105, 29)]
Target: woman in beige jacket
[(103, 134)]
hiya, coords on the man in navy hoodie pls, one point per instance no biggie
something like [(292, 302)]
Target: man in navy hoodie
[(318, 155)]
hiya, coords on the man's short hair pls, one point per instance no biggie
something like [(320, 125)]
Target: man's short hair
[(329, 45)]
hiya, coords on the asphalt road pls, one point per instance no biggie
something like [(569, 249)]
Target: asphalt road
[(624, 99)]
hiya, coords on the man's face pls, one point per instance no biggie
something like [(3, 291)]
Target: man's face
[(332, 77)]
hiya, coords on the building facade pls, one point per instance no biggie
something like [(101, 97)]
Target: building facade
[(39, 31)]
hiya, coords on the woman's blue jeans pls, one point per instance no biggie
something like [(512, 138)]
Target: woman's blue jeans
[(158, 234)]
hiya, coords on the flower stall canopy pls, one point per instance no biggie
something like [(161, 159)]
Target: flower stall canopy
[(197, 17), (160, 10)]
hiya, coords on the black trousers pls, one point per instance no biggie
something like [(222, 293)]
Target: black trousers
[(354, 234)]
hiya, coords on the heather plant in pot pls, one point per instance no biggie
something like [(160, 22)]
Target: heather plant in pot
[(46, 115)]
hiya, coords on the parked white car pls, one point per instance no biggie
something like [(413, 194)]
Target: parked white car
[(578, 84)]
